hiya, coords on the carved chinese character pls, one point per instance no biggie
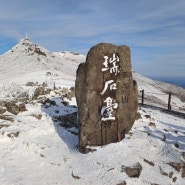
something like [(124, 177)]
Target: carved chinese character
[(124, 99), (106, 68), (112, 86), (111, 64), (107, 110), (114, 69)]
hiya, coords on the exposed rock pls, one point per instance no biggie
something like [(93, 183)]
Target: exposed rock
[(13, 134), (174, 179), (106, 95), (47, 102), (38, 91), (73, 132), (175, 165), (67, 93), (3, 125), (133, 171), (148, 116), (85, 150), (39, 51), (22, 97), (65, 103), (47, 91), (2, 110), (122, 183), (2, 103), (14, 107), (183, 171), (176, 145), (166, 130), (72, 91), (4, 117), (37, 116), (40, 100), (164, 138), (179, 167), (138, 116), (75, 176), (170, 174), (69, 120), (163, 172), (53, 103), (151, 124), (22, 107), (41, 90), (149, 162), (30, 84)]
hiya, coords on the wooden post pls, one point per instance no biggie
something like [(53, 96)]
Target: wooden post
[(169, 101), (142, 100)]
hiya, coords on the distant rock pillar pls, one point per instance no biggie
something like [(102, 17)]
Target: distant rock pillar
[(106, 95)]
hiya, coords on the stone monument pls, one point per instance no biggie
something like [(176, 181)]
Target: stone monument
[(106, 95)]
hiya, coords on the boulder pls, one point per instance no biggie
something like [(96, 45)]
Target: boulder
[(15, 108), (106, 95), (38, 91), (133, 171), (12, 107)]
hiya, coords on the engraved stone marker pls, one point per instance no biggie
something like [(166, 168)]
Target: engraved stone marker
[(106, 95)]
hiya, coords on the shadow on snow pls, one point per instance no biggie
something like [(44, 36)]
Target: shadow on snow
[(172, 134), (64, 118)]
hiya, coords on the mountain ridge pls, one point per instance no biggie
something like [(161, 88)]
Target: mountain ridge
[(27, 57), (28, 61)]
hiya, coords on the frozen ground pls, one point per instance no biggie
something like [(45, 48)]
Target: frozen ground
[(40, 151)]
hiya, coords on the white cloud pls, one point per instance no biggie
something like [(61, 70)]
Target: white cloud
[(155, 25)]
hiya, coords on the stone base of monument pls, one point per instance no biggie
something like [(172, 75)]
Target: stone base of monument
[(106, 95)]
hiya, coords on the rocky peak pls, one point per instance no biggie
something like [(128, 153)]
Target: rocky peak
[(30, 62), (28, 47)]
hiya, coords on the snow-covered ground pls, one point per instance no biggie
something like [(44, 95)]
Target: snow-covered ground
[(43, 152), (157, 93), (36, 150)]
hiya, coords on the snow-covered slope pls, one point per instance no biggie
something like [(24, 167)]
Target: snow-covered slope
[(157, 93), (36, 150), (29, 61)]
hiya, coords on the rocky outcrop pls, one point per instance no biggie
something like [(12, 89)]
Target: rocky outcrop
[(15, 108), (38, 91), (12, 107), (133, 171)]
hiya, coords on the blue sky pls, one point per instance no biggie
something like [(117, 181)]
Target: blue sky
[(153, 29)]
